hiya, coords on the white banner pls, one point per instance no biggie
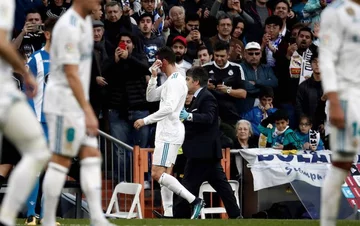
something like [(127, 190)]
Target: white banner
[(270, 167)]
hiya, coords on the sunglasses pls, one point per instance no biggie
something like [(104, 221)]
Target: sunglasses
[(254, 53)]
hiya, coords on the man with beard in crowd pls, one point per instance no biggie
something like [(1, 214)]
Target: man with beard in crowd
[(179, 45)]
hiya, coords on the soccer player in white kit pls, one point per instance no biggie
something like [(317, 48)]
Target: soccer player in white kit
[(17, 121), (72, 123), (170, 131), (339, 52)]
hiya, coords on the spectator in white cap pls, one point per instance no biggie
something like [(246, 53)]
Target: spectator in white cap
[(257, 75)]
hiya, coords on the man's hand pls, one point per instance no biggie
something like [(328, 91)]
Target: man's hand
[(101, 81), (196, 36), (238, 50), (124, 54), (126, 11), (156, 25), (117, 54), (91, 122), (139, 123), (291, 49), (221, 88), (154, 68), (29, 27), (206, 13), (211, 86), (184, 114), (31, 85)]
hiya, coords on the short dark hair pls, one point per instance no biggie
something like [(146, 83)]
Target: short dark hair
[(50, 24), (221, 45), (308, 118), (273, 19), (223, 17), (33, 10), (281, 115), (306, 29), (127, 34), (167, 54), (198, 74), (283, 1), (191, 17), (266, 91), (145, 15), (203, 47), (298, 26)]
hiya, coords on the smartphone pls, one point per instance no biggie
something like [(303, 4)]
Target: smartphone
[(39, 28), (197, 63), (122, 45), (292, 40), (125, 3)]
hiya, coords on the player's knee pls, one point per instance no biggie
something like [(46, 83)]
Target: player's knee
[(156, 172), (343, 160)]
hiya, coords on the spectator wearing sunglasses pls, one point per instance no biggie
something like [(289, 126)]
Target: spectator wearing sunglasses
[(257, 75)]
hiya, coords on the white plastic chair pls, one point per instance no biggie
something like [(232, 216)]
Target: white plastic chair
[(129, 189), (206, 187)]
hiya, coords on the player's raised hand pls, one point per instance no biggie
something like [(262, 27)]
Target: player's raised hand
[(30, 85), (154, 68), (91, 122)]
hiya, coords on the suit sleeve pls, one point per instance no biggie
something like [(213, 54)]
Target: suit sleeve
[(208, 112)]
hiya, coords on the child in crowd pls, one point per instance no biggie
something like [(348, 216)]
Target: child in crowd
[(310, 139), (262, 111), (279, 136)]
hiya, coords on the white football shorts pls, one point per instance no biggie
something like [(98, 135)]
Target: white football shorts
[(165, 154), (345, 143), (67, 133)]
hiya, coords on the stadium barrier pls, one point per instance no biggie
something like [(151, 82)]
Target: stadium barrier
[(139, 160)]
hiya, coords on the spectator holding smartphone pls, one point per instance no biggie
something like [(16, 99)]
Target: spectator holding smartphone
[(31, 38)]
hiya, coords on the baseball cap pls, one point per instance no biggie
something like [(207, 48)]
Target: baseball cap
[(97, 23), (252, 45), (181, 39)]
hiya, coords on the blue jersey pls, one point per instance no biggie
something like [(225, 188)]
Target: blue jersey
[(39, 65)]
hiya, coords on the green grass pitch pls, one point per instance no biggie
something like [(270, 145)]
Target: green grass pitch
[(208, 222)]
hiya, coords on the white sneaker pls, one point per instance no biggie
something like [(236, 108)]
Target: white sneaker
[(147, 185)]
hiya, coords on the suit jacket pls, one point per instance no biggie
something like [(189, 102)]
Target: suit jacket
[(202, 135)]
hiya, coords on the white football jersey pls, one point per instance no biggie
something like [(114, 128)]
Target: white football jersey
[(7, 11), (172, 95), (72, 44), (339, 48)]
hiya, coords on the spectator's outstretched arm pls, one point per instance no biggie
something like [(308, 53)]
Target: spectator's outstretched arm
[(18, 40)]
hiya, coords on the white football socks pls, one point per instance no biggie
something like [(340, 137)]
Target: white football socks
[(330, 196), (53, 183), (167, 201), (90, 177), (21, 183), (174, 185)]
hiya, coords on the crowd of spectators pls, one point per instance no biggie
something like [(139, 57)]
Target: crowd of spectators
[(261, 57)]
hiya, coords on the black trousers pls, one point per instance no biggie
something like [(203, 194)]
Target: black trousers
[(196, 172)]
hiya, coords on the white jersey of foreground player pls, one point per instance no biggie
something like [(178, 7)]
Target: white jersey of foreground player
[(172, 95), (75, 49), (340, 48), (7, 9)]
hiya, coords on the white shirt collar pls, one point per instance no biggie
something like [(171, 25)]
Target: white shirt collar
[(197, 92)]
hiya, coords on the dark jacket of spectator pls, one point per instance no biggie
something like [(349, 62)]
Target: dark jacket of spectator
[(308, 97), (257, 30), (126, 89), (263, 76)]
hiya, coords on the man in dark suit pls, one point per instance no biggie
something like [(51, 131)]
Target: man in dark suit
[(202, 146)]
